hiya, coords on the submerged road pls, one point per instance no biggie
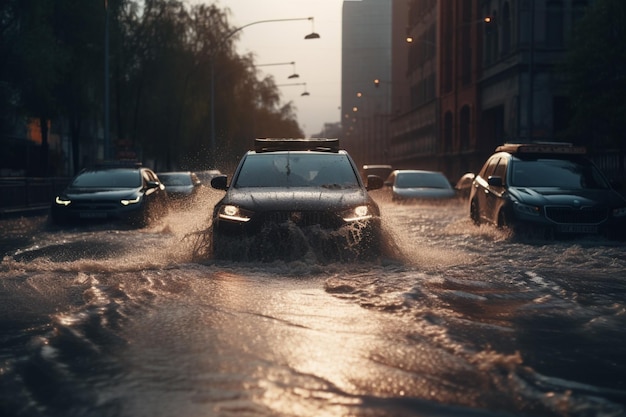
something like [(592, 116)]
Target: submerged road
[(455, 320)]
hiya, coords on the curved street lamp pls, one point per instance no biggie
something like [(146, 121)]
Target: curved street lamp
[(304, 93), (312, 35), (292, 63)]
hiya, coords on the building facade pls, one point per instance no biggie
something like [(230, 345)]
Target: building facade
[(471, 84), (414, 128), (366, 80), (461, 29)]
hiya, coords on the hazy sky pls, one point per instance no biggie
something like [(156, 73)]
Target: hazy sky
[(317, 61)]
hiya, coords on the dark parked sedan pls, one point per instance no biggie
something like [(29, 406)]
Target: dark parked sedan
[(287, 189), (550, 187), (132, 194)]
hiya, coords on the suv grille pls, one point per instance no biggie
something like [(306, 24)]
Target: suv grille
[(571, 215), (303, 218), (98, 205)]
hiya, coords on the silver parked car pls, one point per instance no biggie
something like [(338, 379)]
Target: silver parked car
[(412, 184)]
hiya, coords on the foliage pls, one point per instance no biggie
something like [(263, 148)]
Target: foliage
[(596, 68), (162, 56)]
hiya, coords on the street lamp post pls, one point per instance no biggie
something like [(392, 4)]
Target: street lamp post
[(312, 35), (107, 134)]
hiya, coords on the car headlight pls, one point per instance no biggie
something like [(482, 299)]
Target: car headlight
[(357, 214), (131, 201), (234, 213), (526, 209), (62, 201), (619, 212)]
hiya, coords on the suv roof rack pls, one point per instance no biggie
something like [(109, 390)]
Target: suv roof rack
[(542, 147), (296, 144)]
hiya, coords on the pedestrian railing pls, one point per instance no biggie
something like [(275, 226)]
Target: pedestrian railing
[(27, 192)]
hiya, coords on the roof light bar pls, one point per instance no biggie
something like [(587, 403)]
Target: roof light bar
[(296, 144), (547, 148)]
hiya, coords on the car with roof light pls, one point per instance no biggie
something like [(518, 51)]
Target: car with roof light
[(207, 175), (381, 170), (286, 191), (112, 191), (550, 187), (419, 185)]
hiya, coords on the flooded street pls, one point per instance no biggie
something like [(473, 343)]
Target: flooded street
[(454, 320)]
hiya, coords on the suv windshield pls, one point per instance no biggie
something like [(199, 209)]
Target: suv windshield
[(110, 178), (560, 173), (297, 169)]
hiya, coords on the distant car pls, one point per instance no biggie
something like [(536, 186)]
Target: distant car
[(549, 186), (411, 184), (309, 184), (180, 185), (133, 194), (206, 176), (380, 170), (464, 185)]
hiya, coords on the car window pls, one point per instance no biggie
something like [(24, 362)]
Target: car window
[(556, 173), (110, 178), (422, 180), (289, 169)]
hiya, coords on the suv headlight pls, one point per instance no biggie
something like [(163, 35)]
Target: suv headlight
[(526, 209), (357, 213), (131, 201), (62, 201), (234, 213)]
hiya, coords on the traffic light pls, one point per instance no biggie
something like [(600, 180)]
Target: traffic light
[(376, 82)]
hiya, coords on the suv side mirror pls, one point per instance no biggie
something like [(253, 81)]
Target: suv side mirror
[(374, 182), (219, 182)]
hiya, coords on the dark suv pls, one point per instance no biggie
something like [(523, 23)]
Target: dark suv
[(552, 187), (290, 196)]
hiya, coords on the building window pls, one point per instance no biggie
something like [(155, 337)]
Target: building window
[(579, 8), (465, 128), (561, 111), (506, 28), (554, 24), (491, 39), (447, 43), (447, 132)]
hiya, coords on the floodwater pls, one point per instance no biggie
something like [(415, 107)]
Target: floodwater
[(454, 320)]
